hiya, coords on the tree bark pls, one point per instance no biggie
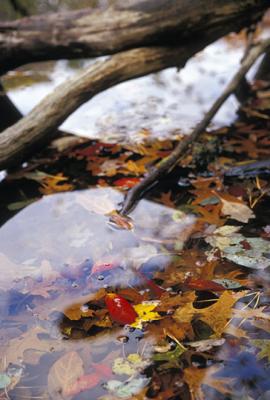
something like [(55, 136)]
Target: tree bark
[(88, 33)]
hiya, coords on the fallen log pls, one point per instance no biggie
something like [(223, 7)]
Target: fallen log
[(88, 32)]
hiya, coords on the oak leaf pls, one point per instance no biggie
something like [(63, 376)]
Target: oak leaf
[(216, 315)]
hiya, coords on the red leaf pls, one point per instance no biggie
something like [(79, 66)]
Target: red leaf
[(245, 244), (98, 268), (157, 290), (126, 182), (202, 284), (120, 309), (103, 370), (85, 382)]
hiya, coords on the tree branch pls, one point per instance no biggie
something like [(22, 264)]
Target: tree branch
[(39, 125), (166, 165)]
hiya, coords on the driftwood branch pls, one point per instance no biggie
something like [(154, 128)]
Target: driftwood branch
[(131, 24), (166, 165), (40, 124)]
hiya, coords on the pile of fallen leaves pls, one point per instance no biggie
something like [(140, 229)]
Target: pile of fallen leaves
[(172, 304)]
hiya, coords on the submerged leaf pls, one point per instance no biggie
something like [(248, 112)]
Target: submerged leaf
[(63, 375), (4, 381), (264, 346), (126, 389), (250, 252)]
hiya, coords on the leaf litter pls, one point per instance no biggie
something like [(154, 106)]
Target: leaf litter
[(170, 302)]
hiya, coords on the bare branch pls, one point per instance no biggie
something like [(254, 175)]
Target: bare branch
[(166, 165), (40, 124)]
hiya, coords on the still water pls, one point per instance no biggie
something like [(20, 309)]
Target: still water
[(170, 303)]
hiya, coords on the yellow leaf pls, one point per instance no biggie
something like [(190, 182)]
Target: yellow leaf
[(51, 184), (145, 313)]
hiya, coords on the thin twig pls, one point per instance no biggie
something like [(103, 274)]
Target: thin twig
[(167, 164)]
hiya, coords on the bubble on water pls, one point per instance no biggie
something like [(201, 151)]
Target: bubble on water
[(84, 308)]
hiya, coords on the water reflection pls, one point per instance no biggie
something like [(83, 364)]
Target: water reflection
[(162, 104), (48, 286)]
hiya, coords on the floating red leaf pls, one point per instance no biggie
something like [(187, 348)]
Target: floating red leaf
[(120, 309)]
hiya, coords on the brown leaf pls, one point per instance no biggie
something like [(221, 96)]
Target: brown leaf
[(216, 315), (196, 377), (63, 374)]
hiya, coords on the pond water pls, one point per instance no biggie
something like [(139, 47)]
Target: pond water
[(165, 104), (170, 302), (166, 303)]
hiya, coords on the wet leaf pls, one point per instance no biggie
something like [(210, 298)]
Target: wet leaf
[(53, 184), (236, 210), (146, 313), (4, 381), (215, 316), (84, 382), (196, 377), (130, 365), (97, 204), (63, 375), (206, 345), (171, 357), (233, 246), (126, 389), (202, 284), (21, 204), (120, 309)]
